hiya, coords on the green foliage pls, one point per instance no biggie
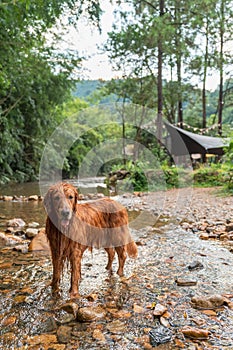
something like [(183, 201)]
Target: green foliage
[(137, 177), (143, 178), (90, 128), (136, 181), (215, 175), (209, 175), (191, 34), (228, 157), (176, 177), (35, 80), (171, 176)]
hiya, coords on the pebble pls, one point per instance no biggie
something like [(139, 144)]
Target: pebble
[(164, 322), (64, 334), (33, 197), (19, 299), (33, 224), (3, 238), (17, 222), (49, 325), (7, 198), (138, 309), (22, 248), (160, 335), (185, 282), (6, 265), (224, 236), (89, 314), (195, 265), (39, 242), (92, 297), (42, 339), (116, 327), (159, 310), (119, 313), (229, 227), (70, 308), (179, 344), (204, 236), (31, 232), (211, 302), (10, 239), (9, 321), (195, 333), (98, 335)]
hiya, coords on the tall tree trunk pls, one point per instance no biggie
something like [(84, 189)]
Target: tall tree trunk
[(160, 76), (179, 62), (205, 75), (220, 98), (180, 101)]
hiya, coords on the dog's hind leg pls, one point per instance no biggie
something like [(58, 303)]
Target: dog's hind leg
[(111, 254), (121, 252)]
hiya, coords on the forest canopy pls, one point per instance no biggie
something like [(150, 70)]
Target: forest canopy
[(35, 79), (167, 50)]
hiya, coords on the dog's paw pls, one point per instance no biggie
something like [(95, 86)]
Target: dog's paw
[(74, 295)]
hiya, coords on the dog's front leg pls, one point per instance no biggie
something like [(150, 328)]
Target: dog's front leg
[(75, 262), (57, 271)]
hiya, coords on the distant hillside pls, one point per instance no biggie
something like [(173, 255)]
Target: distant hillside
[(88, 90)]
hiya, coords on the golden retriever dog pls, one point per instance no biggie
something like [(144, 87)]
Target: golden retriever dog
[(72, 227)]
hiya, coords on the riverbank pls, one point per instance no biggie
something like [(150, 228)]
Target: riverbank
[(178, 291)]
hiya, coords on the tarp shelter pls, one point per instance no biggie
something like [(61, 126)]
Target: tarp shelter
[(181, 142)]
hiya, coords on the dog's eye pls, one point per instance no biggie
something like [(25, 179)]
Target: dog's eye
[(56, 198), (70, 197)]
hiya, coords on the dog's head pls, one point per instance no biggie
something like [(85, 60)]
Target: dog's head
[(60, 203)]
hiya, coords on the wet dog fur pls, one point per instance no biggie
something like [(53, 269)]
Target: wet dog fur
[(72, 227)]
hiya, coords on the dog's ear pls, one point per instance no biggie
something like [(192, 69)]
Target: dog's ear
[(75, 199), (48, 202)]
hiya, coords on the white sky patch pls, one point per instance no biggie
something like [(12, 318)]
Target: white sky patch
[(88, 41)]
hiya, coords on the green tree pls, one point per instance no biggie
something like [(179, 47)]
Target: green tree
[(195, 42), (34, 79)]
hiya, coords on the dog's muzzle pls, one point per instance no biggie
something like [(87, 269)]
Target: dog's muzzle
[(66, 215)]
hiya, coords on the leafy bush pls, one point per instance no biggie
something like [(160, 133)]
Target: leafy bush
[(229, 166), (137, 180), (143, 178), (208, 175), (177, 177)]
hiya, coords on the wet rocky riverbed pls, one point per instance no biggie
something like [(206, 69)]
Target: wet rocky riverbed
[(177, 295)]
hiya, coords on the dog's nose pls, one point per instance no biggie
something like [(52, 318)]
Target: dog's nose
[(65, 212)]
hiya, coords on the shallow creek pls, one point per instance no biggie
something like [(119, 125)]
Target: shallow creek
[(32, 318)]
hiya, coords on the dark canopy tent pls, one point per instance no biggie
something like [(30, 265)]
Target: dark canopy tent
[(181, 142)]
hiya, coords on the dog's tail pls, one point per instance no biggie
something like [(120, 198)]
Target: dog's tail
[(132, 249)]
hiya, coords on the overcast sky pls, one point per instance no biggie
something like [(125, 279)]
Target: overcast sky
[(86, 39)]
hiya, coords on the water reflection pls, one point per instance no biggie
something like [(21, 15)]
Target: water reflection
[(34, 211), (20, 189), (28, 211)]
